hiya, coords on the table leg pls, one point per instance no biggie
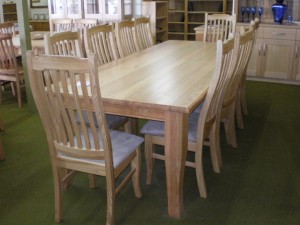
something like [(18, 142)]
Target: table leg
[(176, 130)]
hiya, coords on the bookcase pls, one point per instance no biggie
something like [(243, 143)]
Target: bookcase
[(9, 12), (158, 13), (185, 15)]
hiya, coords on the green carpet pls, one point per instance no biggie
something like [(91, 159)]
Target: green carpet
[(259, 183)]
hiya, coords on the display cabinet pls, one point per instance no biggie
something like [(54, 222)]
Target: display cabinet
[(185, 15), (158, 13), (9, 12), (103, 10)]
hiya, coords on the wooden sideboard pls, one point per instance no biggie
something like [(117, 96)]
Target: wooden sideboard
[(39, 25), (275, 55)]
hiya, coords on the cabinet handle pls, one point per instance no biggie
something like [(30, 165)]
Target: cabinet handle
[(278, 33), (265, 48), (296, 52), (259, 50)]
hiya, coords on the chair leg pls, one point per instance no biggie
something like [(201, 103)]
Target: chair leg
[(58, 194), (230, 132), (13, 88), (111, 196), (215, 148), (243, 96), (149, 158), (18, 87), (200, 173), (238, 111), (136, 178), (92, 180)]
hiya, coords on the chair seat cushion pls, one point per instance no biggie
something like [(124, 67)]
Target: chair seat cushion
[(199, 108), (113, 121), (157, 128), (123, 145)]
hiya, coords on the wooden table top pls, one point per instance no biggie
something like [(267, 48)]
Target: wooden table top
[(173, 75)]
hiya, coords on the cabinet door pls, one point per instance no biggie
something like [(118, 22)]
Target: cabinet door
[(93, 9), (296, 66), (65, 9), (277, 58), (255, 59)]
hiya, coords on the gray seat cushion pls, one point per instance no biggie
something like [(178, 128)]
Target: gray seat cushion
[(157, 128), (123, 145), (113, 121)]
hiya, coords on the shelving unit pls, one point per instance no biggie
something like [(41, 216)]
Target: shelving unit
[(185, 15), (9, 12), (158, 13)]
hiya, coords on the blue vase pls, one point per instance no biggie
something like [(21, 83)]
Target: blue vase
[(279, 10)]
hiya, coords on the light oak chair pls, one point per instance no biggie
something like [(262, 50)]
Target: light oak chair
[(63, 43), (2, 153), (241, 103), (143, 33), (80, 24), (229, 104), (126, 39), (203, 125), (218, 27), (101, 39), (63, 86), (7, 28), (60, 25), (11, 69)]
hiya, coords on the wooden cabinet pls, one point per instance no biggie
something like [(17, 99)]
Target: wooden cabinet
[(158, 13), (9, 12), (185, 15), (296, 66), (275, 55), (39, 25)]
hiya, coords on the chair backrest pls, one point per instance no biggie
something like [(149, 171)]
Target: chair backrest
[(63, 43), (225, 65), (83, 23), (125, 36), (60, 25), (100, 39), (143, 33), (218, 27), (243, 50), (7, 28), (66, 90), (8, 61)]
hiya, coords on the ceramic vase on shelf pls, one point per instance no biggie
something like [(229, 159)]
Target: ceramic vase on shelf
[(279, 10)]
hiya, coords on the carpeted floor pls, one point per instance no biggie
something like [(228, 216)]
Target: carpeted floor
[(259, 183)]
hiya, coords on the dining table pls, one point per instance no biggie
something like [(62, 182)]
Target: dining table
[(37, 41), (165, 82)]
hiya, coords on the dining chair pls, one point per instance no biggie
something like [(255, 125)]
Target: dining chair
[(230, 97), (101, 39), (83, 23), (63, 86), (2, 153), (203, 125), (63, 43), (7, 28), (143, 33), (11, 69), (60, 25), (218, 27), (241, 104), (80, 25), (126, 38)]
